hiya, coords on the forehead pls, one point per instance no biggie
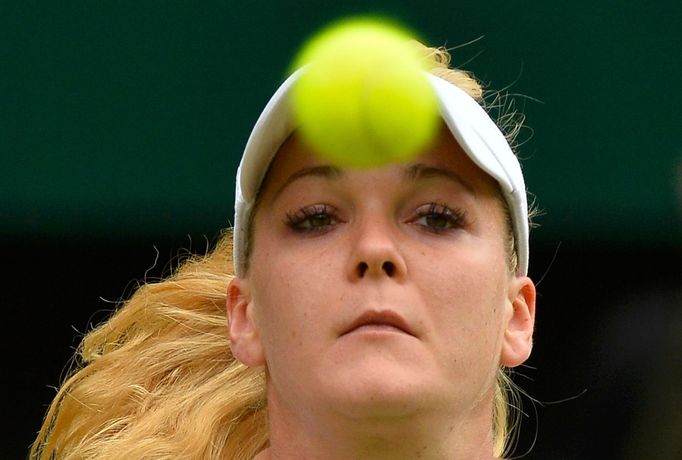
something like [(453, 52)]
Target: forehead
[(444, 153)]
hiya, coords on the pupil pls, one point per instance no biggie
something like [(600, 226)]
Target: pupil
[(320, 220), (437, 221)]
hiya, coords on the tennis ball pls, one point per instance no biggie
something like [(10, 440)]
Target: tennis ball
[(363, 99)]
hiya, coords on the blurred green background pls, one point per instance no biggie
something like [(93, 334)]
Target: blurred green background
[(123, 117), (122, 123)]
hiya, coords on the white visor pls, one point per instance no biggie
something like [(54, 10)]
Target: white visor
[(468, 122)]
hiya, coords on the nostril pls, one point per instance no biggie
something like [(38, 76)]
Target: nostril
[(388, 267)]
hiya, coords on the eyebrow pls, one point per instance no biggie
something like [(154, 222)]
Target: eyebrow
[(413, 172), (325, 171), (421, 171)]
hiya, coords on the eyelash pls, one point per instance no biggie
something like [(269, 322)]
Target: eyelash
[(302, 221), (454, 218), (320, 217)]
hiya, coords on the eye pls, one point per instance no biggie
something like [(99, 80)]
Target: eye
[(439, 218), (312, 219)]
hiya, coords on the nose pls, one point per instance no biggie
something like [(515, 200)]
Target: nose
[(376, 252)]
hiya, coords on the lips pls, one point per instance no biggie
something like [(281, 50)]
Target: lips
[(380, 319)]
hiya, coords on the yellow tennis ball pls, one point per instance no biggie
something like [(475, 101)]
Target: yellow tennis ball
[(363, 99)]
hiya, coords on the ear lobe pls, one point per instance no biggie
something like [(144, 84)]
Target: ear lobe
[(518, 334), (244, 339)]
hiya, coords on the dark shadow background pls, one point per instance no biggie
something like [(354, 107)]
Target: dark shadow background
[(121, 126)]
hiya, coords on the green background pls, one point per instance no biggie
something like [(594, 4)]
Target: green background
[(123, 118)]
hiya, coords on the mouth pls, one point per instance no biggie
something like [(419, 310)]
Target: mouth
[(380, 321)]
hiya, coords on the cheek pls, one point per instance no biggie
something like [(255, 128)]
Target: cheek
[(286, 299), (468, 304)]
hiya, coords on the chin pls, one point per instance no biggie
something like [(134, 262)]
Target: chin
[(382, 389)]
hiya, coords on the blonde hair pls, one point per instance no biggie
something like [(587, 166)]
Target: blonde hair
[(158, 380)]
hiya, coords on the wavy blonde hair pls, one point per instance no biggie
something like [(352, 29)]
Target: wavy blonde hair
[(158, 380)]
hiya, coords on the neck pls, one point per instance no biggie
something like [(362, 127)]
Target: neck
[(428, 435)]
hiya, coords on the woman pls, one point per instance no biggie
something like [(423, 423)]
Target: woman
[(370, 313)]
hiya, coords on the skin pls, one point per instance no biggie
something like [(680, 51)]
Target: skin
[(424, 241)]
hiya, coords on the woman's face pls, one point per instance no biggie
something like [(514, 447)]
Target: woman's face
[(379, 292)]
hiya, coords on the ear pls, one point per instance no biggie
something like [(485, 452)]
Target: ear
[(518, 334), (245, 342)]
